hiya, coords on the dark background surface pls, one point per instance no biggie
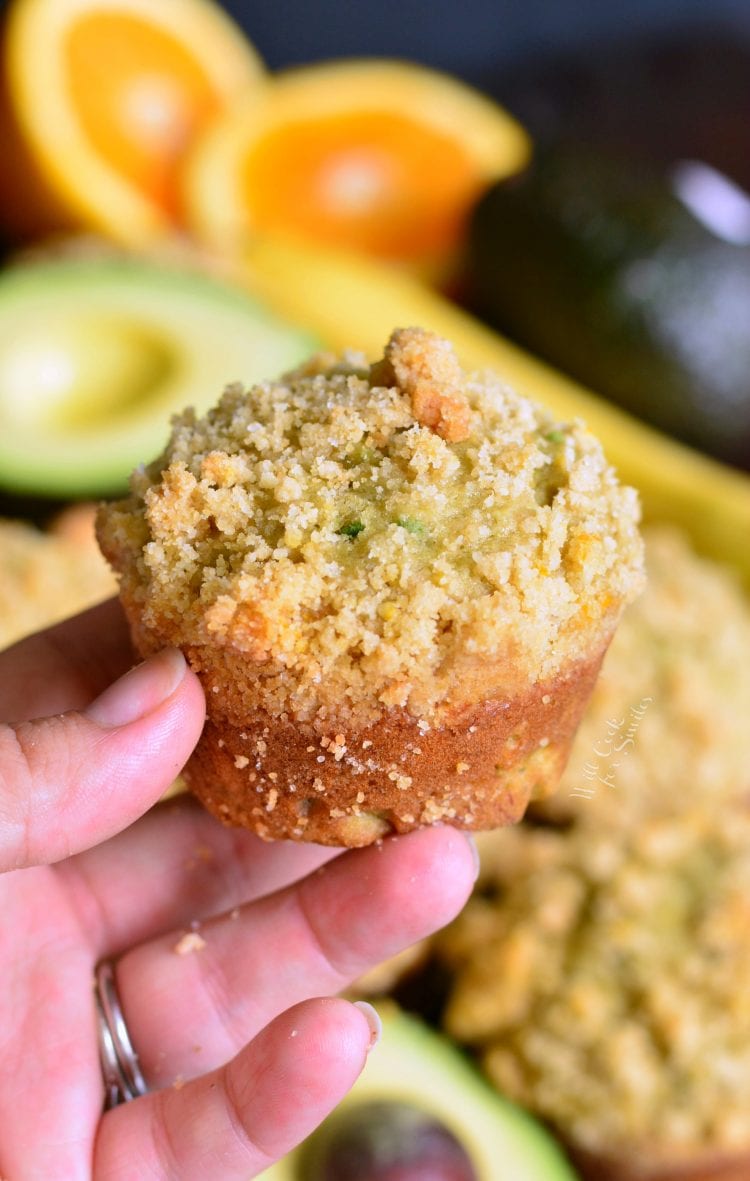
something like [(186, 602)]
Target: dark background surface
[(476, 39)]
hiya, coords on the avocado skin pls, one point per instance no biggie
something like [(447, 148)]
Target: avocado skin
[(680, 91), (594, 264)]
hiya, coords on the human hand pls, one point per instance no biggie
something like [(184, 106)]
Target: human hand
[(241, 1059)]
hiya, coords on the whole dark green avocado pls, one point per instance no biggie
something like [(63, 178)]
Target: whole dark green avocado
[(629, 281)]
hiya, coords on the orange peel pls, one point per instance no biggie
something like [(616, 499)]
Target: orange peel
[(99, 102), (381, 156)]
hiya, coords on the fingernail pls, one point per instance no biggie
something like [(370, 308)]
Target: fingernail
[(139, 691), (475, 853), (372, 1018)]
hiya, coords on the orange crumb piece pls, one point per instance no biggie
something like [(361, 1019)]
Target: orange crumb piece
[(426, 368)]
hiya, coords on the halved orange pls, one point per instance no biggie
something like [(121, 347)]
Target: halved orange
[(381, 156), (100, 99)]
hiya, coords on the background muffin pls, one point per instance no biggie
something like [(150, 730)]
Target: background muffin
[(46, 576), (667, 723), (604, 976), (396, 584)]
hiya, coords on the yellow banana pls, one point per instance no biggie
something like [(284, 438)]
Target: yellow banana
[(351, 302)]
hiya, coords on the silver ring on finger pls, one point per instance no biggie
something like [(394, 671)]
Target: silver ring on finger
[(121, 1072)]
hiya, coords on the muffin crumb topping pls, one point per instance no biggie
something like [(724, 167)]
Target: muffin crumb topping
[(370, 538), (604, 974), (426, 369)]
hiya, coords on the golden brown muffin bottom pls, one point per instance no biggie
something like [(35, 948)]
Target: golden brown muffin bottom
[(477, 770)]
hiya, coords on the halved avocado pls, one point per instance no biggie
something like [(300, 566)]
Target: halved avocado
[(96, 355), (416, 1085)]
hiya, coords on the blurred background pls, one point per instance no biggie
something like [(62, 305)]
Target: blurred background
[(476, 39)]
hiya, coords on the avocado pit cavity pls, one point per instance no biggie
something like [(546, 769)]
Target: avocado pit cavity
[(77, 371), (96, 354), (382, 1141)]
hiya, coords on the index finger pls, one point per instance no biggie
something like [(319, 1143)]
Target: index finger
[(67, 665)]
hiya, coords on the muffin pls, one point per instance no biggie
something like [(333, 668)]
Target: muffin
[(46, 576), (667, 723), (396, 585), (604, 979)]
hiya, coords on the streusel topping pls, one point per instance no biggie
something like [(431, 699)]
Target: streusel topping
[(605, 977), (362, 533)]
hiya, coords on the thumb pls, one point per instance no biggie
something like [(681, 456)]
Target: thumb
[(70, 781)]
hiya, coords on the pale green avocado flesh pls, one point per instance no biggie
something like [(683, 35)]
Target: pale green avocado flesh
[(418, 1068), (95, 357)]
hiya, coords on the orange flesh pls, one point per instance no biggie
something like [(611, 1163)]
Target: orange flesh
[(375, 181), (140, 98)]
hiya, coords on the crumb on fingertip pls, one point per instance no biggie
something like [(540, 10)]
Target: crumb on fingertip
[(191, 941)]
